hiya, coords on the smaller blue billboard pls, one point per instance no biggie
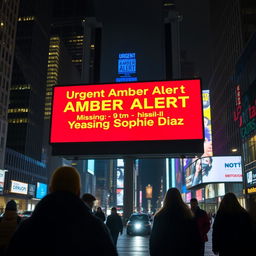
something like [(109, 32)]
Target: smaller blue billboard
[(41, 190)]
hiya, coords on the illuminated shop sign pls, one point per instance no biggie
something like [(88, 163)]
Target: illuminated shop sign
[(214, 169), (41, 190), (19, 187)]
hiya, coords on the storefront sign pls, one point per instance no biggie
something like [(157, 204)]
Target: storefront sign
[(251, 190), (19, 187)]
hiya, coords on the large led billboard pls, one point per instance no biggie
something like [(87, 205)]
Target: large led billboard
[(144, 114), (214, 169)]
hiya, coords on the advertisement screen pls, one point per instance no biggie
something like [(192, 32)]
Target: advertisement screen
[(251, 178), (120, 177), (193, 173), (207, 124), (91, 166), (2, 176), (210, 191), (120, 162), (19, 187), (41, 190), (120, 197), (188, 197), (162, 110), (200, 195), (214, 169), (31, 190)]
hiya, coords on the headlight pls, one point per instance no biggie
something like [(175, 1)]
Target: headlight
[(137, 226)]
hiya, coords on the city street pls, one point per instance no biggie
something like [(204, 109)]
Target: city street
[(138, 245)]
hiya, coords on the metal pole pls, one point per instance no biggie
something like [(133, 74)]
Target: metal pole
[(128, 188)]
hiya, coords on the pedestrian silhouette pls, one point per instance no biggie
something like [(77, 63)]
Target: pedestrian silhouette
[(61, 223), (202, 221), (115, 224), (100, 214), (89, 199), (8, 225), (174, 230), (232, 229)]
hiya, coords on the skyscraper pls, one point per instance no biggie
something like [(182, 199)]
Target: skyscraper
[(8, 22), (26, 107)]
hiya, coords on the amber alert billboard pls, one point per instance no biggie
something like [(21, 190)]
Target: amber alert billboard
[(127, 118)]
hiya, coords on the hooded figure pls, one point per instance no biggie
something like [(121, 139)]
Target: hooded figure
[(8, 224), (61, 223)]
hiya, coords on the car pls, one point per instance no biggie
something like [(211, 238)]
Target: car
[(26, 214), (138, 224)]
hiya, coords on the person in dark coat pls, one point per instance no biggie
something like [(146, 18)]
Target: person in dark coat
[(232, 229), (174, 230), (8, 225), (100, 214), (115, 224), (62, 224), (202, 221)]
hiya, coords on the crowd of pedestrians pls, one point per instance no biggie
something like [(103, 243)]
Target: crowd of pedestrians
[(177, 229)]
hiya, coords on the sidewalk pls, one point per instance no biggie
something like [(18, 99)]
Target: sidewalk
[(138, 245)]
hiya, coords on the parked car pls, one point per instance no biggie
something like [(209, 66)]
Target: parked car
[(138, 224), (26, 214)]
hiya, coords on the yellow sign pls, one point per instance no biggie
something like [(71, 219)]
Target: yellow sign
[(251, 190)]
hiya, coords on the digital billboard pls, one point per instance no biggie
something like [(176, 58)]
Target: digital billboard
[(214, 169), (120, 177), (207, 124), (91, 166), (157, 114), (2, 177), (41, 190), (200, 195), (119, 197)]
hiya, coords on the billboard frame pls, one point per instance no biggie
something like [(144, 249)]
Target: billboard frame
[(121, 149)]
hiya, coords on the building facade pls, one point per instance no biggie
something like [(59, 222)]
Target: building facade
[(8, 24)]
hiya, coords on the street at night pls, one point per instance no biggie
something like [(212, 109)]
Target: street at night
[(127, 127)]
